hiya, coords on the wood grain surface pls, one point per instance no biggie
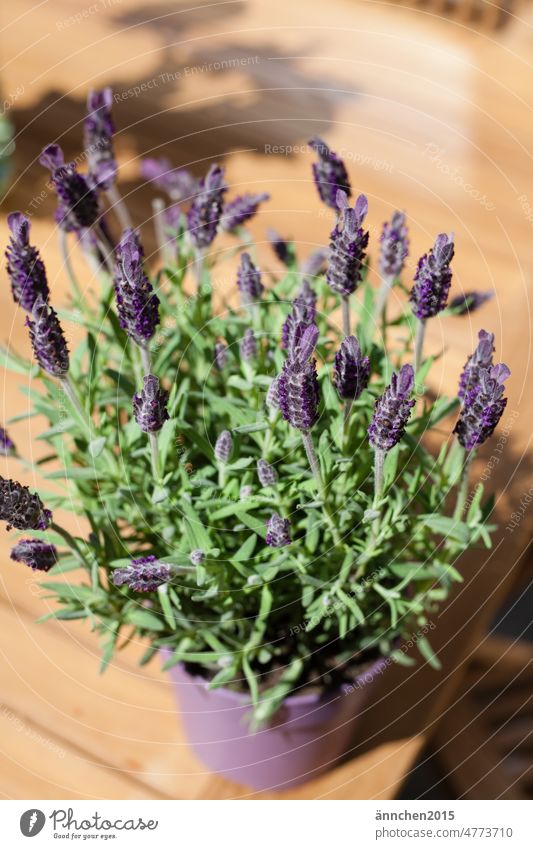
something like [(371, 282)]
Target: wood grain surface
[(432, 116)]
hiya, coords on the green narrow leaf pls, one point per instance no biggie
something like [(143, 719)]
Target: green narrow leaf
[(162, 592), (144, 619), (427, 653)]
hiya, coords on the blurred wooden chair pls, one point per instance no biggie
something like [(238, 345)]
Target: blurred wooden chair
[(487, 14), (484, 743)]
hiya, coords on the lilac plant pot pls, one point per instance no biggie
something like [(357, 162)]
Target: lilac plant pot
[(306, 737)]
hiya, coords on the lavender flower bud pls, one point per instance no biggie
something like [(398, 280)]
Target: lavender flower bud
[(178, 183), (137, 303), (248, 346), (298, 383), (172, 216), (394, 246), (316, 263), (7, 446), (221, 355), (278, 531), (469, 302), (392, 411), (24, 265), (433, 278), (36, 553), (238, 211), (249, 280), (483, 406), (300, 317), (21, 508), (352, 370), (204, 213), (283, 249), (480, 359), (329, 173), (47, 339), (78, 203), (144, 575), (98, 138), (266, 473), (347, 247), (245, 491), (150, 405), (272, 396), (308, 295), (224, 447), (197, 557)]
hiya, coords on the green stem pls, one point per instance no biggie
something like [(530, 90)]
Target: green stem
[(68, 265), (382, 297), (119, 207), (463, 487), (345, 315), (154, 453), (70, 541), (379, 460), (146, 359), (315, 468), (158, 208), (199, 261), (72, 395), (419, 342)]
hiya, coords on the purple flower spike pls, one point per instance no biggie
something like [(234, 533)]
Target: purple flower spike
[(221, 355), (248, 346), (22, 509), (315, 264), (178, 183), (78, 203), (300, 317), (469, 302), (283, 248), (266, 473), (224, 447), (98, 138), (329, 173), (480, 359), (47, 339), (308, 295), (137, 303), (238, 211), (394, 246), (352, 370), (433, 278), (36, 553), (204, 213), (298, 383), (7, 446), (348, 246), (144, 575), (249, 280), (272, 396), (24, 265), (150, 405), (278, 531), (483, 406), (392, 410)]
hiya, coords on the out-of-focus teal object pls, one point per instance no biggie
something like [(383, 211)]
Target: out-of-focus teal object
[(7, 146)]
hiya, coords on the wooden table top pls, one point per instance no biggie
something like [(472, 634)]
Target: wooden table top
[(432, 117)]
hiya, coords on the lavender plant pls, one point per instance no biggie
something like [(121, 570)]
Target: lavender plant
[(257, 490)]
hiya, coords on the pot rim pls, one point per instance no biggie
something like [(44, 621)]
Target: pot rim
[(376, 667)]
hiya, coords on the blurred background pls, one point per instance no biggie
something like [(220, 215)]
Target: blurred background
[(430, 105)]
